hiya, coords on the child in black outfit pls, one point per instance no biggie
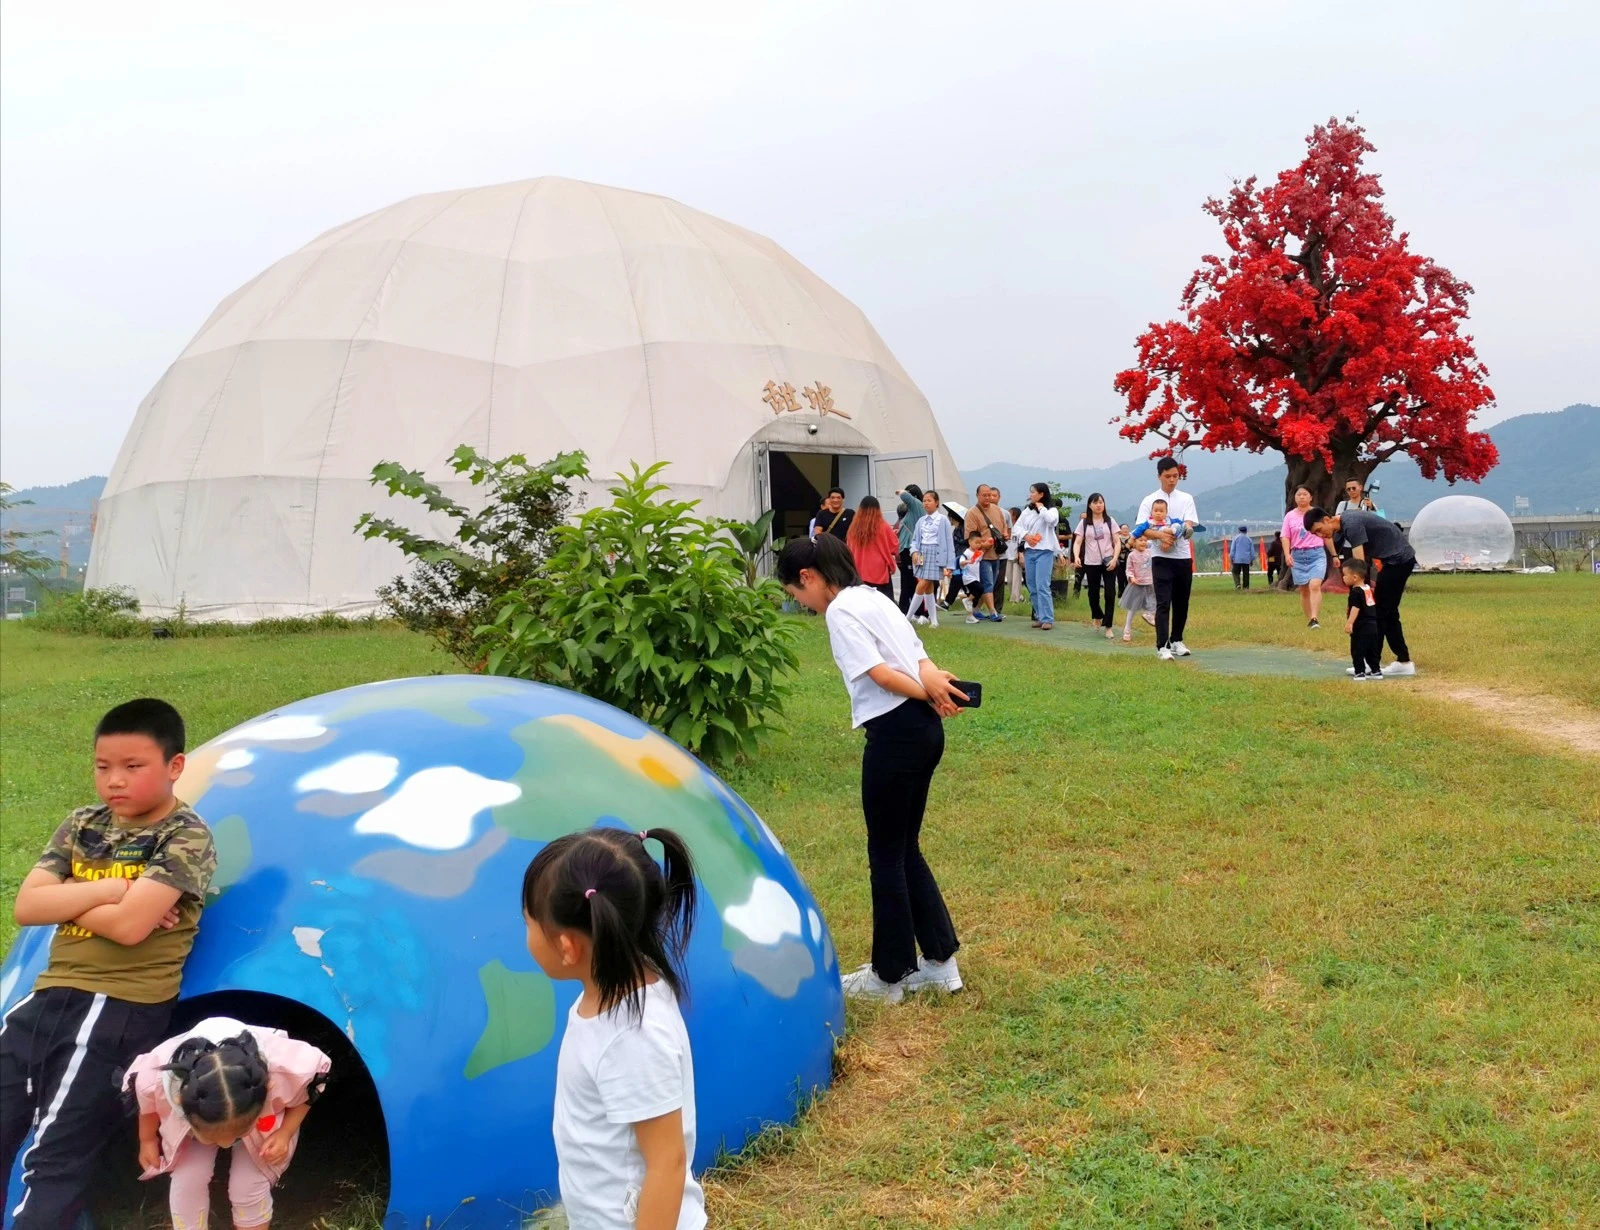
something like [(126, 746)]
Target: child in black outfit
[(1361, 622)]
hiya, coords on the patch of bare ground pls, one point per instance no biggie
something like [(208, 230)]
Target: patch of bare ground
[(1545, 719)]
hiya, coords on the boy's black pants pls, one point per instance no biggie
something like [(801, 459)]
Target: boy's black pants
[(62, 1052), (1366, 647)]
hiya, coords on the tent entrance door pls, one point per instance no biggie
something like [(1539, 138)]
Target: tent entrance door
[(797, 483), (890, 472)]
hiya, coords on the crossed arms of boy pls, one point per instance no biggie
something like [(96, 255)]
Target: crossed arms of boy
[(123, 911)]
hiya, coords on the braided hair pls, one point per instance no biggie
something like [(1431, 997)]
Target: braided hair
[(219, 1082)]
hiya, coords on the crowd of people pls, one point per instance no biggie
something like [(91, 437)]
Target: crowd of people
[(982, 557), (987, 555)]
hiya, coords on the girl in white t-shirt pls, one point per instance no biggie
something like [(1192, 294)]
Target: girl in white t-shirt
[(898, 695), (601, 911)]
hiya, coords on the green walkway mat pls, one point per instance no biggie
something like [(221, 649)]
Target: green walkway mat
[(1224, 660)]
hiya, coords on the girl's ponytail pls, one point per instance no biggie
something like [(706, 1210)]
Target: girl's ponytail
[(638, 914), (677, 910), (619, 965)]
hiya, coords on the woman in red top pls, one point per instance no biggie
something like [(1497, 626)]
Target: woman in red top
[(875, 545)]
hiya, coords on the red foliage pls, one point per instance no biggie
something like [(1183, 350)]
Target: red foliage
[(1319, 334)]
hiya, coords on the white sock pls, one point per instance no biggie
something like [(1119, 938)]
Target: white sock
[(916, 605)]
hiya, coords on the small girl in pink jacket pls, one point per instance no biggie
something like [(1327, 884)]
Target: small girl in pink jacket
[(223, 1085)]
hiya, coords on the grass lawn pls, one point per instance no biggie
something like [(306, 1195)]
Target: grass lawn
[(1537, 634), (1241, 951)]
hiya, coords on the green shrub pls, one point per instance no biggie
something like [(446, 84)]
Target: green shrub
[(110, 612), (454, 584), (114, 613), (647, 607)]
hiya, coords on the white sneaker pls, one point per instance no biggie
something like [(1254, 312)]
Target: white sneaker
[(973, 619), (1350, 670), (921, 619), (1179, 649), (1400, 668), (1164, 654), (864, 983), (941, 975)]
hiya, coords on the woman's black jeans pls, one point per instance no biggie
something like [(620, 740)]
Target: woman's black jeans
[(903, 749), (1095, 578), (908, 581)]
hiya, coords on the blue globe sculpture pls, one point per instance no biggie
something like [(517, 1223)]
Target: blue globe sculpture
[(371, 844)]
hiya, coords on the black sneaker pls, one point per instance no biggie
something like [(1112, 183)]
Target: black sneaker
[(1313, 624)]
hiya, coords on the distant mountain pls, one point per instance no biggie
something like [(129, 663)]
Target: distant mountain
[(1125, 483), (1552, 460), (53, 510)]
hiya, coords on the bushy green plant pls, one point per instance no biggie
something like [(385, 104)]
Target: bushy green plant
[(649, 608), (752, 539), (112, 612), (455, 583)]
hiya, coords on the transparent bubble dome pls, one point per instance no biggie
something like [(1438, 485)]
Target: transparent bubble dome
[(1462, 531)]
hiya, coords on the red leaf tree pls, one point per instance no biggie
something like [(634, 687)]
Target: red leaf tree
[(1320, 334)]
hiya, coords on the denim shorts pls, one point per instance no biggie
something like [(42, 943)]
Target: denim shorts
[(1310, 564), (988, 573)]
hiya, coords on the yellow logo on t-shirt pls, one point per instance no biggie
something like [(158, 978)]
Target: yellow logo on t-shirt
[(129, 864)]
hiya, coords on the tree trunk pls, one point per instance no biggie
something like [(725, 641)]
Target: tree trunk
[(1326, 487)]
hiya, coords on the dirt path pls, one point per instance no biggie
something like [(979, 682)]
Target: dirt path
[(1545, 719), (1548, 720)]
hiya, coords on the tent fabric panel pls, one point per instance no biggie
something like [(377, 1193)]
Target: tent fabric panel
[(239, 318), (169, 430), (239, 538), (554, 309), (270, 412), (598, 403), (564, 221), (441, 299)]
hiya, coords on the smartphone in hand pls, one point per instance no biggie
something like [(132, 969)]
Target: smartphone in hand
[(973, 692)]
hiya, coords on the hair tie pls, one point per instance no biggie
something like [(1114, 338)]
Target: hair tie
[(587, 893), (644, 834)]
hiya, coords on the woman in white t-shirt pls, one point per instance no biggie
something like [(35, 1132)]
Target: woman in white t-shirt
[(601, 911), (899, 696), (1035, 532)]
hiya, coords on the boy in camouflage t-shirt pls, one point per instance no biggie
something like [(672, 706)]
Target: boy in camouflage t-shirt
[(123, 883)]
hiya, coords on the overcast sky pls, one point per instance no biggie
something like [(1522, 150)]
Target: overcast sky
[(1009, 191)]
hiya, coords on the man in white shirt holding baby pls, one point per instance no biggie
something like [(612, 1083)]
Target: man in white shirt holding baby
[(1171, 559)]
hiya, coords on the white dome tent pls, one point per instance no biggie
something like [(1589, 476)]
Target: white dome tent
[(533, 318), (1462, 533)]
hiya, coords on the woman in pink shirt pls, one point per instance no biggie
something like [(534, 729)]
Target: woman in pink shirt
[(223, 1085), (1308, 558), (875, 546)]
